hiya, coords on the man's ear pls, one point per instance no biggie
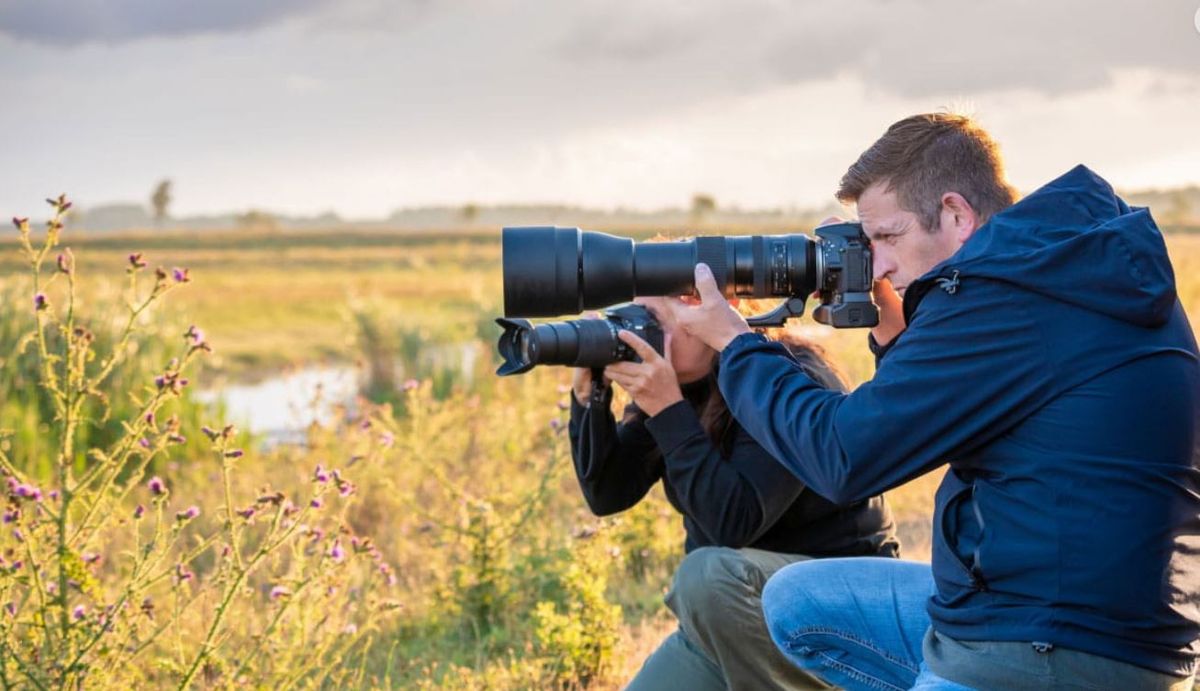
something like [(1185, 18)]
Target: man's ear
[(958, 216)]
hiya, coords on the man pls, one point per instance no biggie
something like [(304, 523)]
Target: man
[(1041, 352)]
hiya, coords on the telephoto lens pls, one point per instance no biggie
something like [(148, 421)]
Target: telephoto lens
[(578, 342), (550, 271)]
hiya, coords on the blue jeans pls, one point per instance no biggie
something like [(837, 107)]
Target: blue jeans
[(861, 624), (857, 623)]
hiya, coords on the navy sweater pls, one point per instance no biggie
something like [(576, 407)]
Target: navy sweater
[(1051, 365)]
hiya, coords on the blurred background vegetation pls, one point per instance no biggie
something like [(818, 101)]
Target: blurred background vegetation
[(506, 580)]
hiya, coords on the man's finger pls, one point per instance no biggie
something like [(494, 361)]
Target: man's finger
[(641, 347), (706, 285), (830, 221)]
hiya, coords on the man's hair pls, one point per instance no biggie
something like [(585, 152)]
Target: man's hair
[(924, 156)]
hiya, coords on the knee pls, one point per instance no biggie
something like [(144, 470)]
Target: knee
[(707, 577), (797, 597)]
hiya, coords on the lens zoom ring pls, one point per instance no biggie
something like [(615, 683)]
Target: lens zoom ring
[(711, 251)]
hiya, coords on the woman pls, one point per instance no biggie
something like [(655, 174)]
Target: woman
[(745, 515)]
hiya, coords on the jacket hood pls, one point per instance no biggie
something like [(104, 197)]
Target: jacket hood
[(1073, 240)]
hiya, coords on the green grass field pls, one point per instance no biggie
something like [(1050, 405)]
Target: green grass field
[(497, 577)]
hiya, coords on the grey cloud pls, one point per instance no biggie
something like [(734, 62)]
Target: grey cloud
[(69, 22), (912, 48)]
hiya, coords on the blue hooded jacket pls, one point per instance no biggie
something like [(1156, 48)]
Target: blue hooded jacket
[(1051, 365)]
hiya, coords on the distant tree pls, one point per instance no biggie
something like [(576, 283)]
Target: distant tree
[(702, 206), (161, 200), (258, 220), (469, 212)]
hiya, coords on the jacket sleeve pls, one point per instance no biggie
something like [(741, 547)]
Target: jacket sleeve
[(614, 463), (732, 500), (968, 367)]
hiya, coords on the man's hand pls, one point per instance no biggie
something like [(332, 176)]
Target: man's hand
[(652, 382), (713, 321), (891, 312)]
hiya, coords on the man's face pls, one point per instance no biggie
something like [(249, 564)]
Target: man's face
[(903, 249)]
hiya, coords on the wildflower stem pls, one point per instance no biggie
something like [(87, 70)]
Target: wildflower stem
[(266, 634)]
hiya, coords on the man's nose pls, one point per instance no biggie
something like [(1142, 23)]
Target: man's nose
[(882, 264)]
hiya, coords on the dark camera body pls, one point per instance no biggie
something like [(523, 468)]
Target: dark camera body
[(589, 343)]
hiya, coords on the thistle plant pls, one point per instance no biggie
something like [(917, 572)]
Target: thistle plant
[(107, 581)]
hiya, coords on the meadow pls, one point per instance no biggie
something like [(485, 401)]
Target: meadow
[(432, 536)]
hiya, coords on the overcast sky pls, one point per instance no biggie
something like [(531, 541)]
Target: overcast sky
[(363, 106)]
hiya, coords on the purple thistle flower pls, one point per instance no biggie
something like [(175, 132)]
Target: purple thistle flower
[(160, 381), (21, 223), (176, 438), (12, 515), (28, 492), (12, 483), (157, 486), (315, 503), (16, 565), (39, 302), (136, 261), (53, 495), (555, 424), (247, 513), (234, 453), (320, 474), (65, 262), (149, 418), (209, 432), (11, 608), (182, 573), (387, 439), (144, 443), (188, 514), (279, 592), (78, 612), (336, 552), (91, 558), (139, 511), (345, 489), (18, 535), (180, 275)]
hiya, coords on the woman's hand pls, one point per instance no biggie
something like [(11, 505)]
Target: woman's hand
[(581, 385), (652, 382), (581, 378)]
